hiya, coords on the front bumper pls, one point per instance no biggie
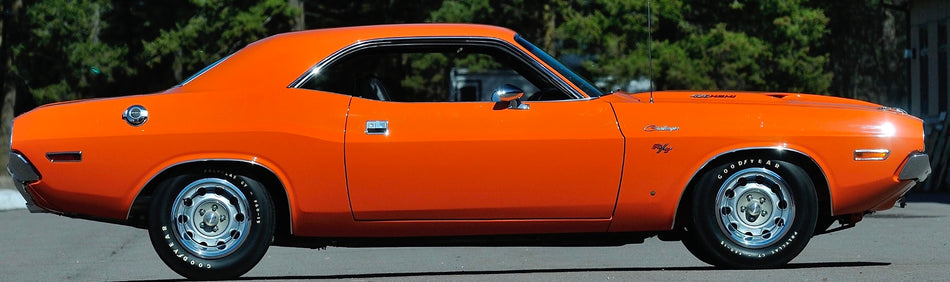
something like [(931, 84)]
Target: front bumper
[(24, 173), (917, 168)]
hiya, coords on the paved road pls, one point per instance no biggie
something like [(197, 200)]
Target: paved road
[(899, 244)]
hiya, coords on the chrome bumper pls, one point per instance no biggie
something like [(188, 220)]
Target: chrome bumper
[(917, 168), (23, 173)]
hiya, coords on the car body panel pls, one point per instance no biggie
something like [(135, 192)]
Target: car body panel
[(474, 160), (755, 121), (613, 163)]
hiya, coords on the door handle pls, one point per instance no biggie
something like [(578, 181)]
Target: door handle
[(377, 127)]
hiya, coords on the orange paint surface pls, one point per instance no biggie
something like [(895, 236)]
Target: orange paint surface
[(450, 168)]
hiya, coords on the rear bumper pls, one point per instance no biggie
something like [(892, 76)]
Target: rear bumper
[(24, 173), (916, 167)]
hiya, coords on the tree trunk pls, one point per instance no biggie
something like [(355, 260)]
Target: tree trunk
[(7, 29), (550, 26), (298, 22)]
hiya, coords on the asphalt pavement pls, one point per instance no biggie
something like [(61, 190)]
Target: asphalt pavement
[(898, 244)]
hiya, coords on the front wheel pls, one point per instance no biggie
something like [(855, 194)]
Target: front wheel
[(752, 213), (211, 225)]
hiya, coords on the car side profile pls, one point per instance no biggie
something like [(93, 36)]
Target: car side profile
[(456, 134)]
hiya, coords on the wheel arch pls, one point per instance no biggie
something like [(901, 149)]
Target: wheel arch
[(803, 160), (138, 212)]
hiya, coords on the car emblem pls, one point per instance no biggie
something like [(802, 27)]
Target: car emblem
[(135, 115), (652, 128), (662, 148)]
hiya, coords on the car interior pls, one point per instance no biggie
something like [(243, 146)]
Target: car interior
[(440, 73)]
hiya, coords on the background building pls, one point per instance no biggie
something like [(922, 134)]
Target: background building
[(929, 73)]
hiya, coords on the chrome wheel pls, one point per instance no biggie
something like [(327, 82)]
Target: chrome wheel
[(751, 213), (210, 218), (755, 207)]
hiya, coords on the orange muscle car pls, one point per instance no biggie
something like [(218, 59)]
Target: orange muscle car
[(456, 134)]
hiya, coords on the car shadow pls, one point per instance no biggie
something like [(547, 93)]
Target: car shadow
[(552, 270)]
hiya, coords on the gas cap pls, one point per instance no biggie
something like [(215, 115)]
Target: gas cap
[(135, 115)]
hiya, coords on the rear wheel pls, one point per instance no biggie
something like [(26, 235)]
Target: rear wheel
[(752, 213), (211, 225)]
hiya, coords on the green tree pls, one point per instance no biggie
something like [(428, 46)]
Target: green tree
[(213, 29), (697, 44), (66, 57), (324, 14), (10, 21)]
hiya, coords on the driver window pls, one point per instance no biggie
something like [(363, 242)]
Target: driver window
[(441, 73)]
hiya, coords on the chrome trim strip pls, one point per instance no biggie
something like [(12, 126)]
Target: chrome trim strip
[(887, 153), (917, 167), (407, 41), (128, 214), (49, 156)]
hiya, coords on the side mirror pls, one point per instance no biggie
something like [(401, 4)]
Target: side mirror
[(512, 95), (508, 93)]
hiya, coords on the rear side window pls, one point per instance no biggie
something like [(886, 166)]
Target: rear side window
[(204, 70)]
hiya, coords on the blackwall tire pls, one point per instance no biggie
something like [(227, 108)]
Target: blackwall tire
[(211, 225), (751, 213)]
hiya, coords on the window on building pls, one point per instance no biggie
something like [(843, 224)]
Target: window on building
[(942, 67), (924, 70)]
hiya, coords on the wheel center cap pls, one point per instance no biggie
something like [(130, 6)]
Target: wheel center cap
[(753, 211), (211, 218)]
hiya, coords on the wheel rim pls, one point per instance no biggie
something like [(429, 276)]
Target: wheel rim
[(755, 207), (210, 218)]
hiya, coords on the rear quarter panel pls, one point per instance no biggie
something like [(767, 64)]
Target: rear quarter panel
[(298, 135)]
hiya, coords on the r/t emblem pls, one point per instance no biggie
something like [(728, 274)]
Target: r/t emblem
[(662, 148)]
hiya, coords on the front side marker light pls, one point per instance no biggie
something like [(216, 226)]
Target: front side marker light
[(64, 156), (871, 154)]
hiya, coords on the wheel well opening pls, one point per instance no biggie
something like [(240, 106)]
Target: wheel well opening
[(139, 212), (822, 190)]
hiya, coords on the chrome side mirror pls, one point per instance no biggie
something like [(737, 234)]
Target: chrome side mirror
[(512, 95)]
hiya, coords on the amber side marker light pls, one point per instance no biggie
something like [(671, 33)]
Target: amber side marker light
[(64, 156), (871, 155)]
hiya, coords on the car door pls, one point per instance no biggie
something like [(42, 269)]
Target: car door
[(472, 160), (425, 141)]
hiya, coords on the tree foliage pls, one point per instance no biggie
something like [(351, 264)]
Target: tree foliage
[(66, 57), (770, 45), (92, 48)]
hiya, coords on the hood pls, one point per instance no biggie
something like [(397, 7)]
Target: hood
[(764, 98)]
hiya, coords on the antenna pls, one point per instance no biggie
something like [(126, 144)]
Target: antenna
[(650, 44)]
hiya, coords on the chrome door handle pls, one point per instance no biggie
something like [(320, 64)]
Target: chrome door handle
[(377, 127)]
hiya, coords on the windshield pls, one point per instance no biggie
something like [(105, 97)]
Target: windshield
[(577, 80)]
